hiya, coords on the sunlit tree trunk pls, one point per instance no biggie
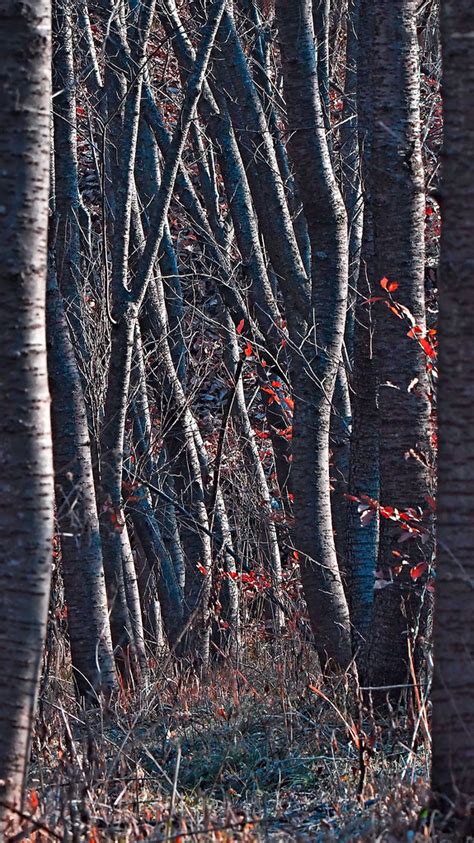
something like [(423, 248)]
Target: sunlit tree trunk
[(26, 483)]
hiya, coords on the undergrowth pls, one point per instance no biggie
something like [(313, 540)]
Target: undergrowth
[(262, 750)]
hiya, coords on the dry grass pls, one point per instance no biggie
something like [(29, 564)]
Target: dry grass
[(251, 753)]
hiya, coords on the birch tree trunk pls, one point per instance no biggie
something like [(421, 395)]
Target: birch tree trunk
[(26, 483), (316, 362), (398, 194)]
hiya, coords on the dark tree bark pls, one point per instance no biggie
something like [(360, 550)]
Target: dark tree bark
[(81, 550), (453, 683), (397, 186), (339, 443), (26, 485), (362, 539)]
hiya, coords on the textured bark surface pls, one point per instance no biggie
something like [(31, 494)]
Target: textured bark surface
[(261, 163), (26, 483), (72, 221), (453, 686), (321, 9), (397, 186), (362, 540), (316, 365), (81, 549)]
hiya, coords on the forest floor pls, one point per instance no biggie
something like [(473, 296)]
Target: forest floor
[(260, 752)]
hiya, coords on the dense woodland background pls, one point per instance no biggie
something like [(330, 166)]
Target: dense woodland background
[(221, 256)]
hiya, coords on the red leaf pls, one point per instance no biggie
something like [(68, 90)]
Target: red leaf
[(248, 350), (240, 326), (394, 309), (387, 511), (202, 570), (389, 286), (427, 347), (271, 392), (412, 333), (418, 570)]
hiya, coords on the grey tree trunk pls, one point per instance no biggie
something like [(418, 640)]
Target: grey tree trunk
[(316, 362), (362, 539), (453, 683), (72, 221), (397, 185), (81, 549), (26, 484)]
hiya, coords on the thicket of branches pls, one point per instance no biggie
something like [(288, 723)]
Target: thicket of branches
[(241, 310)]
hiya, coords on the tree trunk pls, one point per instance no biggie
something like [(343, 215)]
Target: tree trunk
[(316, 362), (453, 684), (321, 31), (72, 221), (26, 485), (362, 539), (81, 550), (397, 185)]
